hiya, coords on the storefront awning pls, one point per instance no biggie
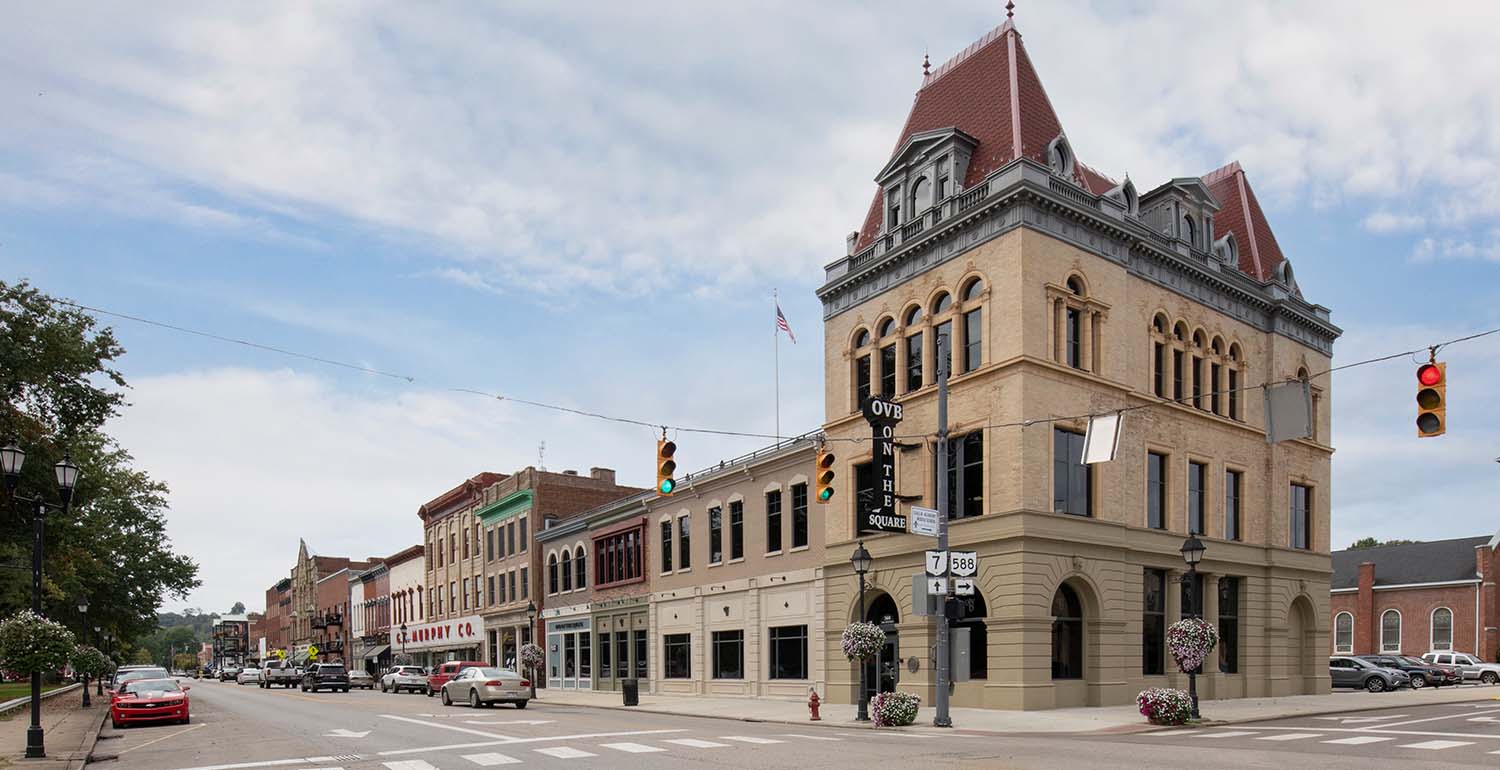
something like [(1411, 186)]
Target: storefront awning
[(376, 652)]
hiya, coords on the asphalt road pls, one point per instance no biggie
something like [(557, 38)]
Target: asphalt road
[(245, 728)]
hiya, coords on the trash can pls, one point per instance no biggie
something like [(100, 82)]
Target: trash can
[(631, 688)]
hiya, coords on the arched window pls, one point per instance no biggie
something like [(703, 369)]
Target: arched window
[(1067, 634), (919, 197), (1159, 356), (942, 303), (1343, 633), (973, 290), (862, 338), (1190, 230), (1390, 631), (567, 570), (979, 644), (580, 570), (1442, 629), (1075, 286), (913, 348), (973, 327), (552, 573), (913, 315), (887, 327), (1236, 374)]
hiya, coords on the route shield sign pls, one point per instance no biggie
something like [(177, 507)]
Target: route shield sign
[(964, 563), (937, 563)]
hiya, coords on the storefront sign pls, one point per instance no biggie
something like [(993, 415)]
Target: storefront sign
[(457, 633), (568, 625), (878, 512)]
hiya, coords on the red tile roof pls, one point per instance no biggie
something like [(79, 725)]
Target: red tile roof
[(1241, 214), (991, 92)]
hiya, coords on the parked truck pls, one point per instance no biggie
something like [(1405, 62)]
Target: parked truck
[(280, 672)]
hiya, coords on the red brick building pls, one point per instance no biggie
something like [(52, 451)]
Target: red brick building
[(1417, 597)]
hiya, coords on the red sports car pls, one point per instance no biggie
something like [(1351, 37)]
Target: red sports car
[(149, 700)]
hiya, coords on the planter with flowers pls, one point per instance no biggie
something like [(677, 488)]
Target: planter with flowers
[(31, 643), (1191, 640), (1165, 706), (532, 657), (894, 709), (862, 641)]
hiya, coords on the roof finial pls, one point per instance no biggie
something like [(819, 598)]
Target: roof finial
[(1010, 9), (926, 65)]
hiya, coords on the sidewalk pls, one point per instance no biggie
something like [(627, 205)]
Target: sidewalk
[(1069, 720), (69, 733)]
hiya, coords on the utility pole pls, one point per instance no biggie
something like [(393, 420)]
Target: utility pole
[(944, 364)]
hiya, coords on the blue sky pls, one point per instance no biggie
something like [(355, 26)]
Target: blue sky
[(591, 204)]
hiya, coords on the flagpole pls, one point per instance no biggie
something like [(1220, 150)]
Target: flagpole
[(776, 366)]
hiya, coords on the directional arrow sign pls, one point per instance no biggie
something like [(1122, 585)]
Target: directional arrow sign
[(342, 733)]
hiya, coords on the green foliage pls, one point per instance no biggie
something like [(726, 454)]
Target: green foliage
[(185, 661), (142, 657), (58, 387), (1370, 542), (30, 643), (88, 660), (237, 609)]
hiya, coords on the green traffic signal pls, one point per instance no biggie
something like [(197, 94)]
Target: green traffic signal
[(825, 494), (667, 485)]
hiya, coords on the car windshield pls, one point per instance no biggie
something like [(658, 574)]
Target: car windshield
[(250, 669), (141, 686), (409, 670), (143, 673)]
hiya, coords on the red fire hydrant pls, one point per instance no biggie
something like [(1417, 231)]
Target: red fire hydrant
[(812, 705)]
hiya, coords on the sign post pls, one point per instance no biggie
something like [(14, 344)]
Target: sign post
[(944, 362), (879, 512)]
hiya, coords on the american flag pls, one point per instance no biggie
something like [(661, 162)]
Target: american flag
[(782, 324)]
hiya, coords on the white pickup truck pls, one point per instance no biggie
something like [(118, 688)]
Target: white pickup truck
[(280, 673)]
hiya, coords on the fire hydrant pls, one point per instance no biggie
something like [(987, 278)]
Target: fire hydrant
[(812, 705)]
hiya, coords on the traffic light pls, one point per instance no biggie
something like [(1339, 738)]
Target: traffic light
[(825, 475), (1432, 399), (665, 467)]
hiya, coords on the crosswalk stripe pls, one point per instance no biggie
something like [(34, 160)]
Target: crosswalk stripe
[(812, 737), (1290, 737), (749, 739), (1358, 740), (491, 759), (409, 764), (632, 748), (1435, 745), (1225, 734), (563, 752), (694, 743)]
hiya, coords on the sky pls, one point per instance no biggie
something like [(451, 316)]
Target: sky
[(591, 204)]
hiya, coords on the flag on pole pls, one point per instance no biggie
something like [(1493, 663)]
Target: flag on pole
[(782, 324)]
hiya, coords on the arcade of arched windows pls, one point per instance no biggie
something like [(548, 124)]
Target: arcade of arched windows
[(1192, 368), (901, 353), (1076, 321)]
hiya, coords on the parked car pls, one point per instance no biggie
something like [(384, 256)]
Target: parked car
[(443, 673), (1347, 671), (484, 686), (149, 700), (331, 676), (248, 675), (228, 673), (1419, 671), (361, 678), (1473, 667), (131, 673), (413, 678), (280, 672)]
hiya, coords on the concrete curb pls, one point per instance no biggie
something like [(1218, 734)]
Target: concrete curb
[(85, 752), (22, 702), (1317, 713)]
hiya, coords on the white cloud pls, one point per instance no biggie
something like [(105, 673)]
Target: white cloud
[(1431, 249), (1388, 222)]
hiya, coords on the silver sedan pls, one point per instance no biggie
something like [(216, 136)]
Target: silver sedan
[(487, 686)]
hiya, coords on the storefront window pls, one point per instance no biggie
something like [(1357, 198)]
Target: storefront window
[(640, 654), (604, 650), (622, 655), (729, 655), (584, 669), (788, 652), (677, 656)]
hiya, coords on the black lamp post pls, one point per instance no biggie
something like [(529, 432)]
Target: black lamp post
[(1192, 553), (12, 457), (531, 631), (403, 644), (861, 562), (83, 612), (99, 680)]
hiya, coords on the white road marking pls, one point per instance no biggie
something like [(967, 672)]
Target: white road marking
[(632, 748), (455, 728), (749, 739), (563, 752), (1485, 719), (1359, 720), (1435, 745), (342, 733), (694, 743), (1429, 719), (812, 737), (509, 721), (1225, 734), (491, 759), (511, 742), (1358, 740), (1290, 737), (264, 763), (410, 764), (164, 737)]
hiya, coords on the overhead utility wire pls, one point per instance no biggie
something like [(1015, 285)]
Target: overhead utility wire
[(1024, 423)]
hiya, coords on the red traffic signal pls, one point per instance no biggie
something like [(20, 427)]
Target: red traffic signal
[(1432, 399)]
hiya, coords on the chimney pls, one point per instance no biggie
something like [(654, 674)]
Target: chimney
[(606, 475), (570, 472), (1364, 609)]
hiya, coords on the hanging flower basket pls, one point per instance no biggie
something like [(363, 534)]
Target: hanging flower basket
[(1191, 640), (31, 643), (1165, 706), (88, 660), (531, 657), (862, 641), (894, 709)]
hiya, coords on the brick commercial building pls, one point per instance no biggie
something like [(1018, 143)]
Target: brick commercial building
[(1418, 597), (1057, 292), (231, 641), (276, 626)]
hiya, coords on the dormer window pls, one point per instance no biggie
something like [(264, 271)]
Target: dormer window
[(919, 199), (893, 207), (1060, 156), (1189, 230)]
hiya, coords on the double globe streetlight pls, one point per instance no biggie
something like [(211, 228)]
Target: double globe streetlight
[(12, 457)]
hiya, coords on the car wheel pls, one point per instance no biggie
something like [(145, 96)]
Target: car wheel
[(118, 725), (520, 704), (447, 701), (474, 701), (1489, 677), (1375, 684), (1418, 681)]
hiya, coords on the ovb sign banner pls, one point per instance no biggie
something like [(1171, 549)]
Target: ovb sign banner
[(878, 512)]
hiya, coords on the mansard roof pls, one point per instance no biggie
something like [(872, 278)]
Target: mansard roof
[(1241, 214)]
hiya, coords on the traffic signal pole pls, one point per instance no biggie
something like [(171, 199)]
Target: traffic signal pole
[(943, 674)]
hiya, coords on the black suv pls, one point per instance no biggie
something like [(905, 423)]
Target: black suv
[(329, 675), (1422, 673)]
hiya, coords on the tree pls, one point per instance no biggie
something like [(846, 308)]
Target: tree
[(237, 609), (184, 661), (58, 387), (1370, 542), (142, 657)]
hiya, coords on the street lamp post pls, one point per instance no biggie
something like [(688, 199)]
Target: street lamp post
[(99, 680), (403, 644), (83, 611), (1192, 553), (861, 562), (531, 630), (12, 457)]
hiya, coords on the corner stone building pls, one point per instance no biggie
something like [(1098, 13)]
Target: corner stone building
[(1061, 292)]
